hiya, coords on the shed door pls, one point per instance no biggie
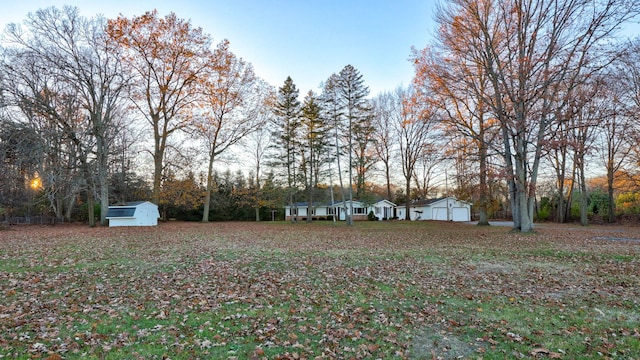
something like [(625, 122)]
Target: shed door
[(460, 214), (439, 213)]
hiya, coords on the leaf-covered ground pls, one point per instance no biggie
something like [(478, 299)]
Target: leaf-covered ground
[(268, 290)]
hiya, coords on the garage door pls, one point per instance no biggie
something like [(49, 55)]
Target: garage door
[(460, 214), (439, 213)]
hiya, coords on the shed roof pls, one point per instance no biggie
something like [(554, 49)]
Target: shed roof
[(425, 202), (121, 211)]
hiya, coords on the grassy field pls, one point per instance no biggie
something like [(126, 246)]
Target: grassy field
[(377, 290)]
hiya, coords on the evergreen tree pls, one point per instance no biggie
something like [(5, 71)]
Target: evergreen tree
[(287, 123), (313, 134), (333, 112), (357, 114)]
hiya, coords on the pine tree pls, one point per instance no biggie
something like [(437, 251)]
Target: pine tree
[(333, 112), (313, 135), (357, 114), (287, 124)]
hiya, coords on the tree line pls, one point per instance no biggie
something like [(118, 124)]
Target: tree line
[(506, 93)]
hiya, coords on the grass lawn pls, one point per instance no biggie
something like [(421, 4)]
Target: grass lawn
[(275, 290)]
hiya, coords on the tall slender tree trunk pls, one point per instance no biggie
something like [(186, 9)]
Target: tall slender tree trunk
[(350, 213), (584, 198), (511, 181), (561, 177), (388, 179), (258, 193), (103, 178), (342, 194), (484, 198)]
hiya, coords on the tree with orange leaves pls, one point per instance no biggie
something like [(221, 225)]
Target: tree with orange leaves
[(530, 52), (233, 98), (170, 59), (413, 126), (457, 85)]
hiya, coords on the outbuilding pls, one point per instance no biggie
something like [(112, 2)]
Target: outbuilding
[(138, 213), (445, 209)]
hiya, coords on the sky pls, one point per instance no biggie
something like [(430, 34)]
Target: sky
[(306, 39)]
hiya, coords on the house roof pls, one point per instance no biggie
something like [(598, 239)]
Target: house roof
[(132, 204), (306, 203), (127, 210), (426, 202), (336, 203)]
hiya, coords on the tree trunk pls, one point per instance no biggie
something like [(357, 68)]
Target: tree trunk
[(350, 212), (103, 178), (310, 183), (611, 199), (157, 177), (258, 193), (90, 209), (407, 189), (158, 155), (584, 199), (69, 208), (310, 205), (561, 178), (207, 193), (482, 220), (388, 178)]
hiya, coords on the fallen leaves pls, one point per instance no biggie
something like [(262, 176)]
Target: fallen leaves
[(286, 291)]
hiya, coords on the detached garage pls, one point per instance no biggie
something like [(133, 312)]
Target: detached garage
[(139, 213), (445, 209)]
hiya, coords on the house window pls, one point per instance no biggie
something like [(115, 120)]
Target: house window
[(359, 211), (293, 211), (313, 211), (330, 211), (377, 210)]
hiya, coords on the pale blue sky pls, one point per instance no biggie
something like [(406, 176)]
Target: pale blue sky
[(307, 40)]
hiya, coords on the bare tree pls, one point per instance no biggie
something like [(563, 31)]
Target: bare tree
[(384, 108), (414, 121), (233, 101), (457, 86), (530, 52), (613, 141), (76, 53), (257, 144)]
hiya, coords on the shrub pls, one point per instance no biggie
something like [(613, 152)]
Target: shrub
[(371, 216)]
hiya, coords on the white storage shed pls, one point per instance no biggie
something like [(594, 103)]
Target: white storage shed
[(139, 213)]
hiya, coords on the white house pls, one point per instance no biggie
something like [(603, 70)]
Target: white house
[(299, 210), (382, 209), (139, 213), (446, 209)]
